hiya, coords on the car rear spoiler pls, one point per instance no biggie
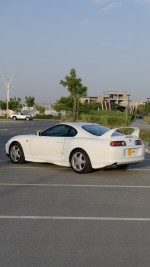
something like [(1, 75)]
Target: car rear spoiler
[(108, 134)]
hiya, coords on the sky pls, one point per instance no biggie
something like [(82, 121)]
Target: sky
[(107, 42)]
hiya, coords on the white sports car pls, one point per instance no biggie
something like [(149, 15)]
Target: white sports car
[(83, 146)]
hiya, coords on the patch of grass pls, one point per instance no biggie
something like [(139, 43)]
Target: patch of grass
[(145, 135), (45, 117), (147, 119), (110, 119), (3, 117)]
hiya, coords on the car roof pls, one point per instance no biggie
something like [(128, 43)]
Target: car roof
[(78, 123), (79, 127)]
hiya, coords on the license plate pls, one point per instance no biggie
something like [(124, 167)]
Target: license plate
[(131, 151)]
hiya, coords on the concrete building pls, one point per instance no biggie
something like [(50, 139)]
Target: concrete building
[(116, 97), (119, 98)]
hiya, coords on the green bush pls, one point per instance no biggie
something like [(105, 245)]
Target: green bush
[(3, 117), (44, 117)]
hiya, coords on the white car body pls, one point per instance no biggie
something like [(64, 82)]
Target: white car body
[(58, 149), (21, 117)]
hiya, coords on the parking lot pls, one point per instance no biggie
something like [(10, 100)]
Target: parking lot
[(52, 217)]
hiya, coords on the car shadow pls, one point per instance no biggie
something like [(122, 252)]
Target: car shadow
[(144, 164)]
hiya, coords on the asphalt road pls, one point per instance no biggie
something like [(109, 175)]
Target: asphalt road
[(53, 217), (141, 124)]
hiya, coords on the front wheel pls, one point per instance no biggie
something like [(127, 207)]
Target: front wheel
[(14, 118), (16, 153), (80, 161)]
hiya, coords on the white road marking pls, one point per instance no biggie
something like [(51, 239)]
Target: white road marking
[(59, 168), (74, 218), (139, 169), (77, 185)]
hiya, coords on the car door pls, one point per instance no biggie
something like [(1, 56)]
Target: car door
[(48, 146)]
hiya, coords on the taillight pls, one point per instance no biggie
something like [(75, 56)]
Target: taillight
[(138, 142), (118, 143)]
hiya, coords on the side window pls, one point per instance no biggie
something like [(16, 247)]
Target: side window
[(72, 132), (58, 130)]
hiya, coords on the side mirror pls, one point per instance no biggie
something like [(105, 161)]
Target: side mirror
[(38, 133)]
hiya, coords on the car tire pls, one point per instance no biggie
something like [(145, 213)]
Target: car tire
[(27, 119), (122, 166), (14, 118), (80, 161), (16, 153)]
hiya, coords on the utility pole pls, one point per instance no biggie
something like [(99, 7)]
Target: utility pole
[(127, 107), (7, 85)]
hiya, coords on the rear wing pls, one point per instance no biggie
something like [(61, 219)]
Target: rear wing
[(108, 134)]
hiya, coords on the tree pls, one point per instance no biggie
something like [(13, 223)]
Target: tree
[(3, 105), (40, 109), (87, 107), (30, 101), (15, 104), (147, 107), (64, 103), (141, 110), (75, 88)]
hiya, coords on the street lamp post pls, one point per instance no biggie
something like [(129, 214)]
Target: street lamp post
[(127, 107), (7, 87)]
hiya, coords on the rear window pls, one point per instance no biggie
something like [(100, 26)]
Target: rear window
[(97, 130)]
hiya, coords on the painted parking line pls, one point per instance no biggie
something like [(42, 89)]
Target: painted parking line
[(77, 185), (140, 169), (74, 218), (63, 168)]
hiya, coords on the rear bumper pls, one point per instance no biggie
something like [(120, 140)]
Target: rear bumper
[(124, 156)]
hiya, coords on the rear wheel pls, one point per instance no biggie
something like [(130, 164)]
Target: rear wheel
[(123, 166), (16, 153), (80, 161)]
